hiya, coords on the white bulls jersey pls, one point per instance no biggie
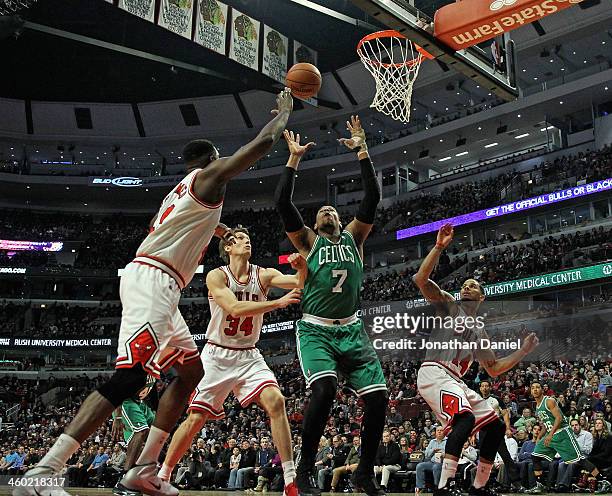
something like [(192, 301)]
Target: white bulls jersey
[(458, 360), (181, 232), (237, 332)]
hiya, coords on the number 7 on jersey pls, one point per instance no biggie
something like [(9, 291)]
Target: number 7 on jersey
[(342, 273)]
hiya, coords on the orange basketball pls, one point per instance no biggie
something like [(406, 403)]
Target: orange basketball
[(304, 80)]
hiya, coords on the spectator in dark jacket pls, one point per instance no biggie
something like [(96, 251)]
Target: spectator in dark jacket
[(350, 464), (337, 457), (601, 454), (263, 460), (223, 467), (387, 460)]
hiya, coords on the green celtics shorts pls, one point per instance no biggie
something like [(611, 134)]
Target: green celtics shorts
[(325, 350), (136, 417), (564, 443)]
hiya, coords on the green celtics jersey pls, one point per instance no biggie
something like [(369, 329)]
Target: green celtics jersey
[(335, 272), (546, 416)]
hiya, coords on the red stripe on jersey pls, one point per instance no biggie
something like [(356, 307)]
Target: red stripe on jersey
[(236, 280), (168, 265)]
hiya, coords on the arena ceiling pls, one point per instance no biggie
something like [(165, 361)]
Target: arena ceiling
[(43, 66)]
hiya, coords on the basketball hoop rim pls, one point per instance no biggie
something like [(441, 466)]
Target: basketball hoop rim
[(391, 33)]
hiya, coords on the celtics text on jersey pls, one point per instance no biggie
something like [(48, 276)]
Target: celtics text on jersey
[(335, 273)]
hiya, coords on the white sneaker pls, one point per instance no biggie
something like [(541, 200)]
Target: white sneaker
[(34, 483), (144, 478)]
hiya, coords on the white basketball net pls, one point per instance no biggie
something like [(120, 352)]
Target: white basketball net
[(394, 62)]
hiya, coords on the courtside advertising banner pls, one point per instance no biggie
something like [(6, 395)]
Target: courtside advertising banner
[(212, 25), (275, 51), (176, 15), (244, 45), (144, 9)]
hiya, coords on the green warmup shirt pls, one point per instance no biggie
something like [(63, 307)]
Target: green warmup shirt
[(335, 273), (563, 441), (546, 416)]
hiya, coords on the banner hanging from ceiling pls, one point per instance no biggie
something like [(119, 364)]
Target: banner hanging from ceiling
[(211, 25), (301, 53), (144, 9), (176, 16), (275, 51), (244, 44)]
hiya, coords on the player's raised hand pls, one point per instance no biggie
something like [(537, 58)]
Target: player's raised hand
[(284, 102), (292, 297), (530, 343), (445, 235), (297, 261), (358, 136), (293, 142)]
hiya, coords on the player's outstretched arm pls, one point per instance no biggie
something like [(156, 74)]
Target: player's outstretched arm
[(226, 299), (214, 177), (301, 236), (429, 289), (361, 226), (276, 279), (497, 366)]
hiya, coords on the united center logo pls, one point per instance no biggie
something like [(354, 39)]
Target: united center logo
[(498, 4)]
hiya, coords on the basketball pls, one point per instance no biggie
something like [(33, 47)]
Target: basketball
[(304, 80)]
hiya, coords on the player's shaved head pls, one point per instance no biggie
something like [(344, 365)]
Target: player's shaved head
[(199, 153)]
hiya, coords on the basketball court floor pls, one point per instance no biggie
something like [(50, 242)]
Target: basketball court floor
[(107, 492)]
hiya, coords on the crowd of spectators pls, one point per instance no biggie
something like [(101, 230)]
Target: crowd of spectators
[(547, 255), (112, 241), (580, 387), (61, 320), (498, 264)]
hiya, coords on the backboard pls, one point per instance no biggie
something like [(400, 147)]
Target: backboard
[(476, 62)]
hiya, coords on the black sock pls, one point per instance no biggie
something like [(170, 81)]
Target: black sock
[(315, 418), (371, 429)]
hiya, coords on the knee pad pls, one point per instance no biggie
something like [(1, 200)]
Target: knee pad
[(124, 384), (324, 389), (463, 423), (493, 436)]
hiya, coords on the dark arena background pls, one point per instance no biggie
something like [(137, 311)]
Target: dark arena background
[(505, 133)]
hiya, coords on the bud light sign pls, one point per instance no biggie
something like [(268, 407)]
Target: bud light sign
[(124, 182)]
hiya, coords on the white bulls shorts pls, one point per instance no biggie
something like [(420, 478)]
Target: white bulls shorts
[(447, 395), (153, 331), (241, 371)]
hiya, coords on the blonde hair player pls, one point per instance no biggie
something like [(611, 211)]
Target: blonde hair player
[(153, 335), (238, 301)]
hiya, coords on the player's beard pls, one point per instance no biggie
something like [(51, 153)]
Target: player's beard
[(329, 227)]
